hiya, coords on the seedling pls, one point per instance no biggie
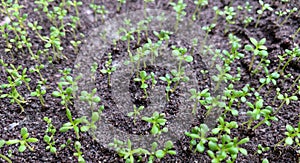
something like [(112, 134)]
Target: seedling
[(78, 152), (98, 10), (16, 76), (166, 150), (180, 13), (37, 68), (259, 48), (136, 112), (286, 99), (199, 4), (109, 69), (72, 124), (2, 143), (75, 44), (264, 6), (145, 6), (289, 11), (24, 142), (157, 120), (91, 125), (120, 3), (39, 92), (49, 139), (169, 81), (90, 98), (126, 150), (224, 127), (230, 14), (261, 149), (269, 78), (199, 137), (197, 96), (143, 77), (292, 135)]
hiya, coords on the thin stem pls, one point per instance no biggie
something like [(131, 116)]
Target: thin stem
[(279, 107), (259, 124), (5, 158), (257, 20)]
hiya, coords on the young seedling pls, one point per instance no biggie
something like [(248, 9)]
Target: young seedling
[(230, 14), (91, 125), (198, 137), (261, 149), (292, 136), (2, 143), (120, 3), (24, 142), (169, 81), (135, 113), (224, 126), (98, 10), (180, 13), (157, 120), (269, 78), (290, 12), (37, 68), (78, 152), (153, 81), (264, 6), (126, 150), (72, 124), (14, 73), (286, 99), (143, 77), (145, 6), (90, 98), (39, 92), (259, 48), (197, 96), (49, 139), (168, 146), (199, 4), (109, 69)]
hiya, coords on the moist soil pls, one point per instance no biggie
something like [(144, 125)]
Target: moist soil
[(278, 39)]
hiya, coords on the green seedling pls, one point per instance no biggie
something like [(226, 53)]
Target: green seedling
[(98, 10), (224, 127), (168, 146), (143, 77), (109, 69), (75, 4), (91, 125), (49, 136), (264, 6), (247, 21), (290, 12), (258, 111), (230, 14), (259, 48), (120, 3), (72, 124), (14, 73), (126, 150), (2, 143), (261, 149), (286, 99), (199, 4), (152, 49), (157, 120), (24, 142), (227, 147), (78, 152), (179, 9), (198, 137), (39, 92), (197, 96), (153, 81), (75, 44), (169, 81), (292, 136), (135, 113), (269, 78), (37, 68), (14, 95), (295, 52), (90, 98)]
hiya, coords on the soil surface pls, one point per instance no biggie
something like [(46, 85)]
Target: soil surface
[(278, 39)]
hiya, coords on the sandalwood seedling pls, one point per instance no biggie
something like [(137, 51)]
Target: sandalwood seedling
[(259, 47), (158, 121), (199, 4), (49, 136), (24, 142), (72, 124), (39, 92), (179, 9), (136, 112), (198, 137), (198, 97), (125, 150), (286, 99), (2, 143), (78, 152), (264, 7), (143, 77)]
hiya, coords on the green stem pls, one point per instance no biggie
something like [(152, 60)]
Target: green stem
[(279, 107), (288, 61), (260, 87), (259, 124), (257, 20), (293, 85), (251, 63), (5, 158)]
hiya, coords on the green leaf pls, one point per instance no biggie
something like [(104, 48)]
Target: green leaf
[(243, 141), (2, 142), (14, 141), (64, 129), (243, 151), (84, 128), (32, 140), (200, 148), (290, 128), (188, 58), (233, 150), (169, 145), (212, 146), (253, 41), (289, 141), (22, 148), (154, 129), (55, 93), (160, 154), (249, 48)]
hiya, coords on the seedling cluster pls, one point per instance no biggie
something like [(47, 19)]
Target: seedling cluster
[(251, 87)]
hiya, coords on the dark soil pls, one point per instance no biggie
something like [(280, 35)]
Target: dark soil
[(278, 39)]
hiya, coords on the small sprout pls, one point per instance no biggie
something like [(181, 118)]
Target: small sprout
[(143, 77), (157, 120), (136, 112), (49, 139), (78, 152), (264, 6), (24, 142)]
